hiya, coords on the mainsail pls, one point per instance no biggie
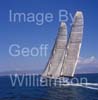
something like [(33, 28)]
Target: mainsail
[(65, 53), (56, 58), (73, 46)]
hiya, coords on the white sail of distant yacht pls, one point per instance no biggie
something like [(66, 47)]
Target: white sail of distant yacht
[(65, 53)]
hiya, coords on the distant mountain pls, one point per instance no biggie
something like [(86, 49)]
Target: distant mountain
[(20, 72), (79, 70), (87, 69)]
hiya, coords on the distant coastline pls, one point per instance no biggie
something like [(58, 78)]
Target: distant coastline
[(6, 73)]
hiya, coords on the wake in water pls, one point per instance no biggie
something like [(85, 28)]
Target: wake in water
[(93, 86)]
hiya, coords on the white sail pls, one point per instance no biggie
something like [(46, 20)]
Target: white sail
[(73, 46), (65, 53), (54, 64)]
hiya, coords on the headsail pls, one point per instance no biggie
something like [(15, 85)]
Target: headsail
[(54, 64), (73, 46)]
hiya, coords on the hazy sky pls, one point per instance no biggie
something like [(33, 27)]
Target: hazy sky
[(30, 35)]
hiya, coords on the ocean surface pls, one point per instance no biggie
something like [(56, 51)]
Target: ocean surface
[(64, 92)]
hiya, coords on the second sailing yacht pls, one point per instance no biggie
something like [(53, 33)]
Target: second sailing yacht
[(65, 53)]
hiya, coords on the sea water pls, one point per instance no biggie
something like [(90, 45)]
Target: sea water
[(65, 92)]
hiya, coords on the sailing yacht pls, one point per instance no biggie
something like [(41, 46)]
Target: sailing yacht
[(65, 53)]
